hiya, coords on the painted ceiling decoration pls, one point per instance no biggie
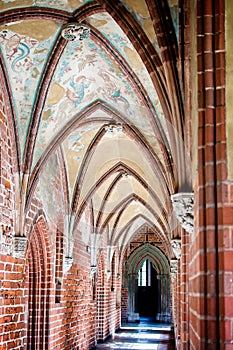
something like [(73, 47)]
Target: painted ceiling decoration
[(95, 93)]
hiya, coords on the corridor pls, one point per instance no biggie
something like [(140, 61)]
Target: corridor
[(141, 336), (116, 174)]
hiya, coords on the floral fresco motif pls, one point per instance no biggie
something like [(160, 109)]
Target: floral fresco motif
[(26, 57)]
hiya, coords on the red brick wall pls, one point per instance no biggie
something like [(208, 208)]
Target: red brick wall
[(77, 322), (11, 303), (124, 303), (108, 312), (79, 319)]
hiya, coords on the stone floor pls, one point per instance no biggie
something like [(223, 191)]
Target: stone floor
[(142, 336)]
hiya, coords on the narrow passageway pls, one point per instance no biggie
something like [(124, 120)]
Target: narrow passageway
[(141, 336)]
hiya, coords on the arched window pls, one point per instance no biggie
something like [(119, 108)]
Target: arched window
[(144, 274)]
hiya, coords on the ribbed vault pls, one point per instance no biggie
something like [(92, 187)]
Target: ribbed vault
[(105, 115)]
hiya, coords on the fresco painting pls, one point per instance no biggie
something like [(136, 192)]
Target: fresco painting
[(109, 28), (67, 5), (73, 88), (6, 4), (48, 179), (140, 12), (26, 56), (79, 89)]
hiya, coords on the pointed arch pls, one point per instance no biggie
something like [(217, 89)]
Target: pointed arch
[(128, 235), (162, 281), (151, 252), (39, 267)]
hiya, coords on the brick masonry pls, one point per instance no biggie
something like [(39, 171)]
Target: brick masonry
[(44, 304)]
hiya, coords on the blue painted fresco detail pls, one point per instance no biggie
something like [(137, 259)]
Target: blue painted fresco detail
[(25, 58)]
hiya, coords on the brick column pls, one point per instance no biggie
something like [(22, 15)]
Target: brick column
[(176, 299), (183, 204), (178, 307), (184, 290), (208, 254)]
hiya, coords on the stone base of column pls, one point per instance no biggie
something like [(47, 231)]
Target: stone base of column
[(164, 318), (133, 317)]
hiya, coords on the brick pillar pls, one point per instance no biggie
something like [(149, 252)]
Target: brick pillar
[(178, 307), (207, 249), (175, 297), (101, 301), (184, 299), (124, 304)]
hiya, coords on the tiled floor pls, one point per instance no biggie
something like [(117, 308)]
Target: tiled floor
[(141, 336)]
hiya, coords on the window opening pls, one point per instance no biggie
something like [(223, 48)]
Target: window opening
[(144, 274)]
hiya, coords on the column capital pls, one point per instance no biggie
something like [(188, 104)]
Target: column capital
[(93, 270), (160, 277), (68, 263), (108, 274), (176, 247), (173, 269), (75, 31), (20, 246), (6, 240), (183, 205)]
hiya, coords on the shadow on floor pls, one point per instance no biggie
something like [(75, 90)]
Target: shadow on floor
[(145, 335)]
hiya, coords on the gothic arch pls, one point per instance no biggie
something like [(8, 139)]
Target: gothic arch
[(39, 284), (161, 265), (148, 251)]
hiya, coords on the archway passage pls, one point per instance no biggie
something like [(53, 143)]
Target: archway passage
[(148, 279), (147, 295)]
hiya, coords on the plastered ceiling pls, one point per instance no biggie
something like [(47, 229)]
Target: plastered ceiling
[(107, 109)]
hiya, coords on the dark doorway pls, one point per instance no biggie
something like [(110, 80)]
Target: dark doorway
[(147, 291)]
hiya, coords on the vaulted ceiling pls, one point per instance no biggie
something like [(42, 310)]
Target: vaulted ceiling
[(107, 109)]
